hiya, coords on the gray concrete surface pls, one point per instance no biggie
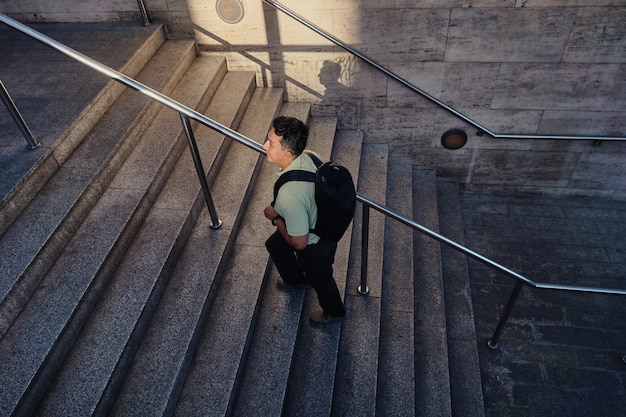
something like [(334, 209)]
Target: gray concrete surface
[(560, 353), (50, 89)]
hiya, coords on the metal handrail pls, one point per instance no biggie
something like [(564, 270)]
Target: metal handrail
[(133, 84), (187, 113), (520, 279), (405, 220), (367, 203), (418, 90)]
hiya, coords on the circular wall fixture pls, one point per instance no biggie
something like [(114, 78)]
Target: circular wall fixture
[(230, 11), (454, 139)]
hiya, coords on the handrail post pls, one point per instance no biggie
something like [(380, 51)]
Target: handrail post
[(144, 13), (365, 226), (216, 223), (17, 117), (493, 342)]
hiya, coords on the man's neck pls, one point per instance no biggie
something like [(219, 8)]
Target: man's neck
[(286, 163)]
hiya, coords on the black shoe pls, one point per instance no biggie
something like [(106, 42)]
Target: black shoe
[(280, 283), (320, 318)]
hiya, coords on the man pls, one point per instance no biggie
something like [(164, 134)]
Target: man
[(300, 256)]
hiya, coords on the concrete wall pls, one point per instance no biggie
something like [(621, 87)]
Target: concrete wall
[(555, 67), (173, 12)]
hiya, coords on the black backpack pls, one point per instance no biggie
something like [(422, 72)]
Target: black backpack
[(335, 196)]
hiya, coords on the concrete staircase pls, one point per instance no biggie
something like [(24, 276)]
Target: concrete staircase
[(119, 299)]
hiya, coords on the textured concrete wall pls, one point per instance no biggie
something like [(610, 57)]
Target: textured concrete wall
[(515, 67), (173, 12), (555, 67), (70, 11)]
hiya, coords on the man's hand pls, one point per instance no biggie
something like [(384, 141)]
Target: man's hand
[(297, 242), (270, 212)]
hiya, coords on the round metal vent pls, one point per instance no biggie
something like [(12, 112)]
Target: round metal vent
[(230, 11)]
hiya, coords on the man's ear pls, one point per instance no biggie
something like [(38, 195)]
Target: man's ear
[(285, 150)]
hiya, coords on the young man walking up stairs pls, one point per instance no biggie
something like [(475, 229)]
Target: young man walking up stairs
[(301, 257)]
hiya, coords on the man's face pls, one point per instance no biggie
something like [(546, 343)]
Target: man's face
[(274, 149)]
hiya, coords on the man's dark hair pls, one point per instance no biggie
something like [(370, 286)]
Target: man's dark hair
[(294, 133)]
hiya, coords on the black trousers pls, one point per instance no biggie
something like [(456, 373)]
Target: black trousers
[(312, 265)]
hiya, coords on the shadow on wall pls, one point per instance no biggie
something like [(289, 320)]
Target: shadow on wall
[(329, 76), (340, 96)]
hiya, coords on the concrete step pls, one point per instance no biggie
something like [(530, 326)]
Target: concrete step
[(396, 359), (266, 373), (159, 371), (465, 381), (54, 215), (432, 383), (59, 110), (356, 372), (50, 322), (120, 319)]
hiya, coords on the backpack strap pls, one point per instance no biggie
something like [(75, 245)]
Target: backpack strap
[(315, 159), (297, 175), (294, 175)]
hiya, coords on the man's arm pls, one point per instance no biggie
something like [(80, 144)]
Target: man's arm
[(297, 242)]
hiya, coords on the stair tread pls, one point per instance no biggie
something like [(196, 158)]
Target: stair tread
[(81, 103), (396, 369), (79, 181), (466, 391), (432, 388), (68, 282), (120, 318), (208, 388), (357, 357), (184, 305)]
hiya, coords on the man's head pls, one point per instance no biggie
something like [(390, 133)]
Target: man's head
[(286, 140)]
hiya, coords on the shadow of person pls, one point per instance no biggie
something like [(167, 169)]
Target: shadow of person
[(329, 76)]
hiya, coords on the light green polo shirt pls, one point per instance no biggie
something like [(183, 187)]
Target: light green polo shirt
[(296, 201)]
